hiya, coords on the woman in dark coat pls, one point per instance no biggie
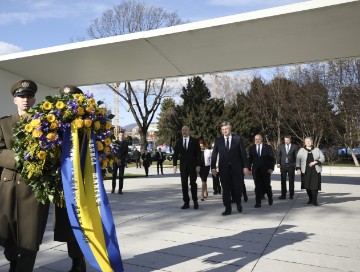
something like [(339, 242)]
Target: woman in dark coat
[(308, 163)]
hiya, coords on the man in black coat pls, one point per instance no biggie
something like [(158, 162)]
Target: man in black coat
[(262, 162), (286, 160), (188, 150), (160, 160), (120, 162), (233, 166)]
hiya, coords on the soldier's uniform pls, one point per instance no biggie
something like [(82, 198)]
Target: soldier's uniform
[(62, 227), (22, 218)]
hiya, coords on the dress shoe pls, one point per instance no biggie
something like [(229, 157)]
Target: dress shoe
[(113, 191), (316, 204), (246, 198), (196, 205), (257, 205), (283, 197), (270, 200), (226, 212), (309, 202), (291, 197), (78, 265), (215, 193), (239, 208), (13, 265), (185, 206), (120, 192)]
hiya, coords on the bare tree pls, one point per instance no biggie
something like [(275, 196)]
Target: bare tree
[(129, 17)]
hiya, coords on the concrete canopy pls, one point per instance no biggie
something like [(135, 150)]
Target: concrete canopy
[(299, 33)]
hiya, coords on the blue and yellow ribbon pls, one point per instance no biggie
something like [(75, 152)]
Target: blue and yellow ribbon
[(87, 203)]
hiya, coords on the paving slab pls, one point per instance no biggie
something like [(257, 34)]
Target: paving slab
[(156, 235)]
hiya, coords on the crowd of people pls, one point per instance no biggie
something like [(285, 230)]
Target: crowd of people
[(228, 162)]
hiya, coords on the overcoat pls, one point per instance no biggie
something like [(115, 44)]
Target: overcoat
[(22, 218)]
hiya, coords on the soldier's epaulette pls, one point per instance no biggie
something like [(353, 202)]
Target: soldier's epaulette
[(4, 116)]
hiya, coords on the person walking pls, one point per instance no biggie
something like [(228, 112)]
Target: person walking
[(187, 149), (204, 168), (309, 162), (146, 158), (119, 162), (233, 166), (160, 160), (22, 218), (262, 162), (286, 159)]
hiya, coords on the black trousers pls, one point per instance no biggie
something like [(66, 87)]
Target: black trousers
[(312, 194), (287, 170), (121, 169), (146, 170), (262, 185), (216, 183), (232, 185), (185, 173), (159, 165)]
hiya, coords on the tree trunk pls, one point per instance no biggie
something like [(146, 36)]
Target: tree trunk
[(143, 141)]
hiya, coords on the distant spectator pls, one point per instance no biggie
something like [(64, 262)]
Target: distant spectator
[(204, 168), (137, 157), (160, 159), (146, 158)]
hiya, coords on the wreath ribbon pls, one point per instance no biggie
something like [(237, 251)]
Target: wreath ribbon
[(87, 203)]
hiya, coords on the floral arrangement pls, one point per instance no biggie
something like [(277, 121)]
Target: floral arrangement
[(38, 139)]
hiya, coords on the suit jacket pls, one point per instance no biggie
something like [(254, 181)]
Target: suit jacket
[(122, 152), (281, 156), (29, 220), (157, 156), (266, 160), (190, 157), (236, 156)]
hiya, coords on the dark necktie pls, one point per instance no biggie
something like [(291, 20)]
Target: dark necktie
[(227, 144), (258, 151), (185, 143)]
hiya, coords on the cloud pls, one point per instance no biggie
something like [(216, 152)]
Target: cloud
[(7, 48), (248, 3), (51, 9)]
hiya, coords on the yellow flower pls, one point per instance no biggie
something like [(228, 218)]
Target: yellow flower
[(37, 133), (54, 125), (79, 123), (35, 123), (97, 125), (87, 123), (99, 145), (111, 162), (59, 105), (81, 111), (108, 125), (107, 150), (77, 96), (51, 118), (104, 163), (28, 128), (41, 155), (91, 101), (90, 109), (47, 105), (51, 136), (107, 141), (101, 111)]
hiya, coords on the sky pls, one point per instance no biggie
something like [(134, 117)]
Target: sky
[(33, 24)]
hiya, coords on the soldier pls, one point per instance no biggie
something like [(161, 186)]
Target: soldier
[(22, 218), (62, 228)]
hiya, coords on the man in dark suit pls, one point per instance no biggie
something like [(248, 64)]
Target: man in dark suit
[(159, 159), (233, 166), (120, 162), (286, 160), (262, 162), (22, 218), (188, 150)]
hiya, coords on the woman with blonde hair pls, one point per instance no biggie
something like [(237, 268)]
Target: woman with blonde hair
[(308, 163)]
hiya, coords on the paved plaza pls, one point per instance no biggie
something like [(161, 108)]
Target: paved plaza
[(156, 235)]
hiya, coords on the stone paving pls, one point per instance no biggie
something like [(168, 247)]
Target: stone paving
[(156, 235)]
